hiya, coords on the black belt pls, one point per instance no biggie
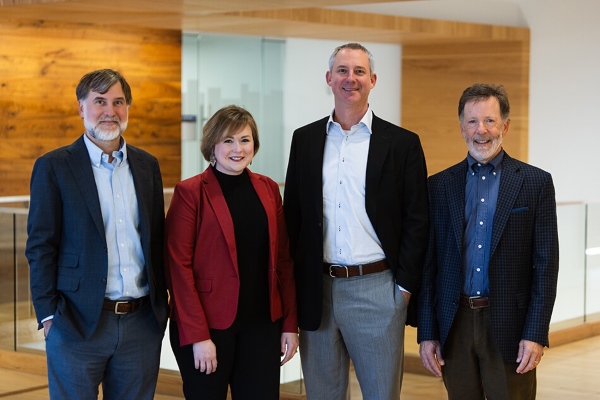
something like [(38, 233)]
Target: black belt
[(348, 271), (474, 302), (123, 306)]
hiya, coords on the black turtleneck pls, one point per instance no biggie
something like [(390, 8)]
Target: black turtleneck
[(252, 244)]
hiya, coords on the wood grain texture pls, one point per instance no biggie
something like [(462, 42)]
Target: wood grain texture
[(433, 79), (41, 63)]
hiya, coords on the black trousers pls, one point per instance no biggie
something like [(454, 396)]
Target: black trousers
[(249, 359)]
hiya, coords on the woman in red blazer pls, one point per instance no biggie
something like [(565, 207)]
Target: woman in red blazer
[(230, 277)]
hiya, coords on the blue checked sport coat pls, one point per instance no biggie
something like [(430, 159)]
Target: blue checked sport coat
[(523, 267), (66, 247)]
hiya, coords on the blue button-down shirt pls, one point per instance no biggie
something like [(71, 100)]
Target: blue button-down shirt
[(483, 183), (118, 201)]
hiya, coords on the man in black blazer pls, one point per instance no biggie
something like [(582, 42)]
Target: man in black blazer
[(489, 281), (95, 253), (356, 209)]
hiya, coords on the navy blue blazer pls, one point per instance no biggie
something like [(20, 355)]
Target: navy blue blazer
[(523, 267), (396, 203), (66, 247)]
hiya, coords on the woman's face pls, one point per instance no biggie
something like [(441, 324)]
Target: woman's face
[(235, 152)]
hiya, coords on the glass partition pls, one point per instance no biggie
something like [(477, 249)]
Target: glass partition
[(219, 70), (19, 327), (569, 304), (592, 264)]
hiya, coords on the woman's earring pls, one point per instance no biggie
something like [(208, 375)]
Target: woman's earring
[(213, 160)]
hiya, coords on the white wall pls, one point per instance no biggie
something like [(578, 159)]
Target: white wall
[(307, 96), (564, 124)]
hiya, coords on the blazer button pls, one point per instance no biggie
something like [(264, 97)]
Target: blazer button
[(104, 281)]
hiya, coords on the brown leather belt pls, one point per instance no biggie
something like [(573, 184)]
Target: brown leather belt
[(474, 302), (348, 271), (123, 306)]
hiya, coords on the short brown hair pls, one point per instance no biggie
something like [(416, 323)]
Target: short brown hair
[(483, 91), (228, 120), (101, 81)]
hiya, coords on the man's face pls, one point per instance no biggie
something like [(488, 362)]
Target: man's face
[(483, 129), (350, 78), (105, 115)]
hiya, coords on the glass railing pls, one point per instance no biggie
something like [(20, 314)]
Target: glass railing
[(19, 328), (578, 299)]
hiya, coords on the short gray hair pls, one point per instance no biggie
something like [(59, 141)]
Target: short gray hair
[(353, 46)]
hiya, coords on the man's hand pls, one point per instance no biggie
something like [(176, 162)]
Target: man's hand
[(529, 356), (47, 325), (431, 356)]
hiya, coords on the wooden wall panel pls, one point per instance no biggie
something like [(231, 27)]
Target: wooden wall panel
[(433, 79), (40, 66)]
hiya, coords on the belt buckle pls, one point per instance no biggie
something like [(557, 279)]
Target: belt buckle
[(117, 307), (471, 305), (337, 266)]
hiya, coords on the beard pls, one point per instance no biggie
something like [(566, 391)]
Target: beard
[(484, 156), (105, 135)]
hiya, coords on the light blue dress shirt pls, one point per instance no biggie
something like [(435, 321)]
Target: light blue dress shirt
[(118, 201), (349, 236)]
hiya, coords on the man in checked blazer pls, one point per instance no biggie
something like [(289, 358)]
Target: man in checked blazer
[(490, 275), (355, 203), (95, 241)]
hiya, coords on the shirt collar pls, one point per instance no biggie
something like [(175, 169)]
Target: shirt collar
[(495, 162), (365, 121), (96, 152)]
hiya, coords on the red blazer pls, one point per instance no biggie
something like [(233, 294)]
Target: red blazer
[(202, 270)]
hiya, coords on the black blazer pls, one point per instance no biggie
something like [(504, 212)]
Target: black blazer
[(66, 247), (396, 203)]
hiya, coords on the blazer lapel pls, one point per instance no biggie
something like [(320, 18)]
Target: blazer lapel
[(221, 210), (142, 181), (511, 181), (81, 168), (455, 190), (316, 151), (379, 146)]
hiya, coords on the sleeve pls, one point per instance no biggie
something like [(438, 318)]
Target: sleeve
[(180, 232), (44, 226), (545, 266), (415, 219)]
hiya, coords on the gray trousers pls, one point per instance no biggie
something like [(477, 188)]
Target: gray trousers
[(363, 322)]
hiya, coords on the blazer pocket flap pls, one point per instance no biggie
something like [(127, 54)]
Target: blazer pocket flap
[(519, 209), (67, 283), (204, 285), (68, 260)]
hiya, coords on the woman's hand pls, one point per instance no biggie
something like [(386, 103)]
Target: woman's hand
[(289, 346), (205, 356)]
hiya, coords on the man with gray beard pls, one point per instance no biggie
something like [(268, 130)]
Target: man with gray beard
[(489, 280), (95, 241)]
